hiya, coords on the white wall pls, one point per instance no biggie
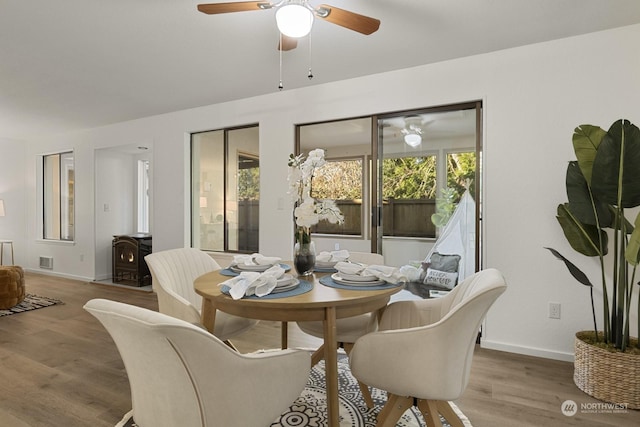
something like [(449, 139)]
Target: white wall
[(533, 98), (13, 225), (114, 204)]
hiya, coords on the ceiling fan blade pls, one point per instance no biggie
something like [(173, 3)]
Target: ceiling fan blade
[(351, 20), (241, 6), (287, 43)]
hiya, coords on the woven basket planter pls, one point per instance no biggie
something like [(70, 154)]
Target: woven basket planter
[(612, 377)]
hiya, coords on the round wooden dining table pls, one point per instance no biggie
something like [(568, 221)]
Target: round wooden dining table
[(321, 303)]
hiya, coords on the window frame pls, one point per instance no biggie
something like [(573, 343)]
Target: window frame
[(65, 218), (373, 210), (142, 197), (195, 194)]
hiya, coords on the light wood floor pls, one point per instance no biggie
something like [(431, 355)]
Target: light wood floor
[(59, 367)]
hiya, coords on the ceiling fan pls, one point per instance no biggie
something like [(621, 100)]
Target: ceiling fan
[(295, 17)]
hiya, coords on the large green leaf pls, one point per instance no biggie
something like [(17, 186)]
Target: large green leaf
[(583, 238), (633, 248), (573, 269), (615, 221), (581, 202), (615, 177), (586, 139)]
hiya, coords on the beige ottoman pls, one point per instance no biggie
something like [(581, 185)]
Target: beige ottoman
[(11, 286)]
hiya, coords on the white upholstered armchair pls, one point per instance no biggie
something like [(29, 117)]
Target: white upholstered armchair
[(181, 375), (423, 349), (173, 272)]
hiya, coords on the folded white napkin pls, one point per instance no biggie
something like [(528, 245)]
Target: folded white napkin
[(333, 256), (254, 283), (349, 267), (382, 272), (255, 259), (411, 272), (386, 273)]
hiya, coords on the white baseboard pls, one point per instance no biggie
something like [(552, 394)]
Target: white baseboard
[(53, 273), (100, 277), (528, 351)]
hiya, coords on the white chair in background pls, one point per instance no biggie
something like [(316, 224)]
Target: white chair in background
[(423, 350), (173, 272), (349, 329), (181, 375)]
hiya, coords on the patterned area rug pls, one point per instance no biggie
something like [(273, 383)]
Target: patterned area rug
[(310, 409), (31, 302)]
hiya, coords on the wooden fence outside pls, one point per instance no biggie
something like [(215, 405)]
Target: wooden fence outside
[(400, 218)]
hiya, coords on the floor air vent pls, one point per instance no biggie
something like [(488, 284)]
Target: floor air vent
[(46, 262)]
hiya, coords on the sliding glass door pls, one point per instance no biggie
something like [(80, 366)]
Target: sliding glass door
[(425, 162), (398, 178), (225, 194)]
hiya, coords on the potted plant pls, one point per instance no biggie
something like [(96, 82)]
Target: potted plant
[(601, 185)]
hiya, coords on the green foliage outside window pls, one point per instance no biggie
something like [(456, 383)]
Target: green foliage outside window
[(461, 173), (409, 178), (339, 180), (249, 184)]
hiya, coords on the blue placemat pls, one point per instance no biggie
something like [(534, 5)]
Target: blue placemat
[(302, 288), (229, 272), (328, 281)]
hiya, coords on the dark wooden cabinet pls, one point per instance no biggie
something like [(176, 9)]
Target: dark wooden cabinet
[(129, 266)]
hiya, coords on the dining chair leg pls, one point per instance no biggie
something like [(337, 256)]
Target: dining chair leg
[(284, 335), (449, 414), (429, 410), (317, 355), (393, 410), (364, 389)]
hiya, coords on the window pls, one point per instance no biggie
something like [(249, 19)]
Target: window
[(58, 193), (225, 193), (341, 180), (415, 165), (461, 173), (347, 146), (408, 195), (143, 196)]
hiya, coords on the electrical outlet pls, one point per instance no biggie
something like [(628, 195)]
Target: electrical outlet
[(336, 246), (554, 310)]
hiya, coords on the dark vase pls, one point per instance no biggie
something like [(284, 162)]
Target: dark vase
[(304, 258)]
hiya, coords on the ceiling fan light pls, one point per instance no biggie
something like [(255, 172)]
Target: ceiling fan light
[(413, 139), (294, 20)]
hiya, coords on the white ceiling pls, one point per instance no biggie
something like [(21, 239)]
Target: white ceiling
[(72, 64)]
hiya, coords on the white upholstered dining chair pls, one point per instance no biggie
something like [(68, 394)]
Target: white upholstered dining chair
[(181, 375), (349, 329), (423, 349), (173, 272)]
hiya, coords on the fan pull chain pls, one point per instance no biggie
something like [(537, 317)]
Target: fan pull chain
[(280, 85), (310, 75)]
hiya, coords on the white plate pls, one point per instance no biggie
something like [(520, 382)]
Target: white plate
[(294, 284), (357, 277), (338, 279), (285, 280), (258, 268), (326, 264)]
